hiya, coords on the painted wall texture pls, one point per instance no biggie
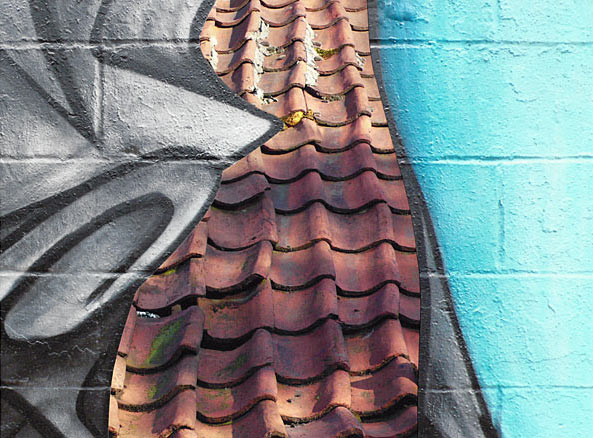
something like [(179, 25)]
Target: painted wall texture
[(494, 102), (114, 132)]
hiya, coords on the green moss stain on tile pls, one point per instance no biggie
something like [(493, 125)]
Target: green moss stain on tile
[(162, 341), (169, 272), (159, 388), (234, 365)]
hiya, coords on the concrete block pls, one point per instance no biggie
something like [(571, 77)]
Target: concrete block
[(50, 104), (562, 412), (144, 115), (527, 331), (463, 199), (548, 216), (546, 20), (437, 20), (482, 101)]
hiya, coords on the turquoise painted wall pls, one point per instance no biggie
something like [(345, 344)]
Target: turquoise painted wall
[(494, 101)]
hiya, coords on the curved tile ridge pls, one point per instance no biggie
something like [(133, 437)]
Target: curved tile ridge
[(276, 16), (373, 348), (331, 139), (219, 405), (354, 273), (177, 286), (315, 5), (263, 420), (240, 229), (339, 422), (294, 165), (349, 196), (402, 423), (384, 390), (194, 245), (231, 271), (175, 415), (155, 343), (374, 225), (312, 401), (320, 352), (233, 321), (147, 392)]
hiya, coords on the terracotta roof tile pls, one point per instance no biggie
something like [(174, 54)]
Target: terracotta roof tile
[(340, 110), (153, 390), (158, 341), (315, 223), (278, 3), (228, 271), (320, 350), (372, 348), (235, 318), (325, 139), (194, 245), (375, 393), (263, 420), (219, 368), (219, 405), (285, 35), (326, 17), (280, 82), (317, 302), (339, 82), (308, 402), (177, 413), (402, 423), (183, 282), (345, 56), (292, 310), (359, 19), (366, 310), (233, 18), (336, 36), (286, 58), (184, 433), (353, 195), (362, 43), (237, 229), (339, 422), (286, 103), (277, 17), (332, 167), (228, 62)]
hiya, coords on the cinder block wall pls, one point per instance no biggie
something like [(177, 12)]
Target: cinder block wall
[(494, 101)]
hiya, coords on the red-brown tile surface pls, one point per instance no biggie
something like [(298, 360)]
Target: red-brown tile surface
[(157, 341), (184, 282), (263, 420), (293, 309)]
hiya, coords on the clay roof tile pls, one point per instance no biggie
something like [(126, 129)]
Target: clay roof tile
[(293, 308)]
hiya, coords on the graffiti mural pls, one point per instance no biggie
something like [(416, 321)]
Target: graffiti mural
[(211, 226)]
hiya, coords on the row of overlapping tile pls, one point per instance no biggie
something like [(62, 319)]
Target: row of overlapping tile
[(292, 309)]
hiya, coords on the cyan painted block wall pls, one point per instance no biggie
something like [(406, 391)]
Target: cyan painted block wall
[(494, 102)]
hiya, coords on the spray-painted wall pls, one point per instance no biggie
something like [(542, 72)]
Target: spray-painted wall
[(114, 134), (494, 102)]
